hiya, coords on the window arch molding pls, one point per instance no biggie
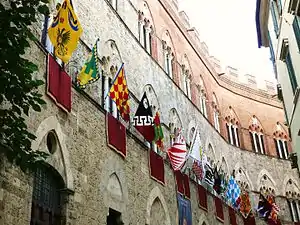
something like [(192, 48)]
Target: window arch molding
[(256, 133), (169, 54), (216, 112), (233, 127), (51, 124), (281, 140)]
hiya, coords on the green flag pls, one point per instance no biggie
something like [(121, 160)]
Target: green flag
[(89, 72), (159, 136)]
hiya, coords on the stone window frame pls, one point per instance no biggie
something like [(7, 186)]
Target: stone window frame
[(257, 136)]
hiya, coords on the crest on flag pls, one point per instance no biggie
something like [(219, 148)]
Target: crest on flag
[(159, 135), (89, 72), (143, 119), (177, 153), (119, 93), (233, 192), (65, 31)]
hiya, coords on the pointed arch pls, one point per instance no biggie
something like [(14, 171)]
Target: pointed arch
[(224, 165), (113, 185), (191, 130), (203, 220), (210, 148), (231, 116), (156, 194), (147, 14), (166, 37), (59, 160), (265, 182), (291, 187), (241, 175), (280, 132), (186, 75), (152, 97), (255, 125), (174, 119), (112, 59)]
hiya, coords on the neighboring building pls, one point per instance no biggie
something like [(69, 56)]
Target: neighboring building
[(86, 182), (278, 27)]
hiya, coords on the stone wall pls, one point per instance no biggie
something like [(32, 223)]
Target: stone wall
[(99, 177)]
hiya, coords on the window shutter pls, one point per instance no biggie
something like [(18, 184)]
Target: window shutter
[(202, 196), (291, 71), (219, 209), (279, 7), (297, 30)]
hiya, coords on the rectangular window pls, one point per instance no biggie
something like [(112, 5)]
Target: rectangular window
[(291, 72), (274, 13), (296, 28)]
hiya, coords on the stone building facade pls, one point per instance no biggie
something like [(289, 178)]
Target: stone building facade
[(165, 58)]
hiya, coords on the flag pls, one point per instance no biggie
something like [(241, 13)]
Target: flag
[(198, 169), (196, 149), (209, 176), (264, 207), (119, 93), (233, 192), (159, 135), (273, 217), (245, 204), (65, 31), (177, 152), (143, 119), (89, 72), (218, 181)]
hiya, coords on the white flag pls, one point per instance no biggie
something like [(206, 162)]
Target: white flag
[(196, 149)]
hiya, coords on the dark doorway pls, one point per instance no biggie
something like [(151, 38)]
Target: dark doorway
[(114, 218)]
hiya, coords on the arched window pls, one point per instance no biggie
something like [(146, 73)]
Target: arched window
[(216, 113), (47, 204), (146, 26), (232, 128), (280, 141), (169, 54), (203, 103), (256, 136)]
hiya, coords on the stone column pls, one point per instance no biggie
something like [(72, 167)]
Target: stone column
[(148, 31), (260, 136), (236, 136), (230, 133), (254, 141), (285, 152), (106, 90), (188, 87), (170, 58)]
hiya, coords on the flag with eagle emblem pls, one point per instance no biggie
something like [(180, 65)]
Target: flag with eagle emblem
[(65, 31)]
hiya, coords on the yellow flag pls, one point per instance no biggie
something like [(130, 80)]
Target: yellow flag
[(65, 31)]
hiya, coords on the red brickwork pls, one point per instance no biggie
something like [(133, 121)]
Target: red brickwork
[(244, 101)]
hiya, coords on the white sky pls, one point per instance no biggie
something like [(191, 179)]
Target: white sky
[(228, 28)]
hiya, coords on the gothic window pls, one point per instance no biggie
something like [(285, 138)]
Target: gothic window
[(203, 103), (47, 202), (233, 134), (280, 141), (169, 61), (186, 82), (294, 209), (145, 25), (216, 113), (256, 136), (281, 148)]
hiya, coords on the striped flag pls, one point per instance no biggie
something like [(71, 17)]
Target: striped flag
[(177, 153)]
